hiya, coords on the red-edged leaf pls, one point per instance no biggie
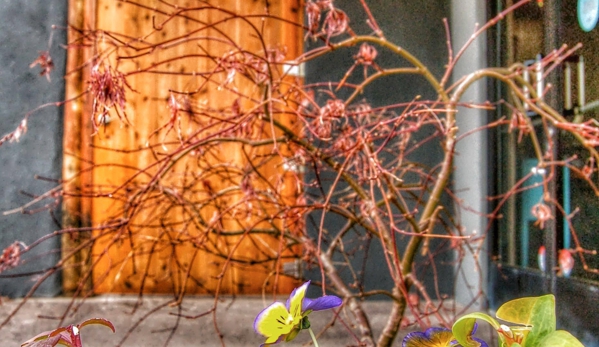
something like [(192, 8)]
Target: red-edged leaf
[(100, 321), (68, 335), (48, 339), (48, 342), (40, 336)]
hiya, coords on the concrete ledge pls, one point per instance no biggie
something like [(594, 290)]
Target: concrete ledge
[(154, 323)]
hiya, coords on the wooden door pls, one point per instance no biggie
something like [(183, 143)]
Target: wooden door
[(160, 208)]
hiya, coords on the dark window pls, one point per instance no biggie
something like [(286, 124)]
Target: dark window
[(515, 270)]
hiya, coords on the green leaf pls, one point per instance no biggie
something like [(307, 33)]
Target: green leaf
[(560, 338), (537, 312), (462, 328)]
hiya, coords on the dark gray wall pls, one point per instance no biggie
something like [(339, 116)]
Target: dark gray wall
[(418, 27), (25, 28)]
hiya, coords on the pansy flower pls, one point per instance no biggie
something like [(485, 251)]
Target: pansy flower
[(435, 337), (282, 322)]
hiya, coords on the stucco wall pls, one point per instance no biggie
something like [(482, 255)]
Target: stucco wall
[(25, 29)]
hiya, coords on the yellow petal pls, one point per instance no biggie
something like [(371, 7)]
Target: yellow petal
[(295, 302), (273, 322), (292, 335)]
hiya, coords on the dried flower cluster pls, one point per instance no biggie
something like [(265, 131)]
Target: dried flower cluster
[(11, 256), (46, 64), (108, 88), (334, 24)]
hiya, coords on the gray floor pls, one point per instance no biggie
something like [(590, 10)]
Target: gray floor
[(234, 320)]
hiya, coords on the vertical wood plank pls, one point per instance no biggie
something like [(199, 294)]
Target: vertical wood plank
[(76, 158)]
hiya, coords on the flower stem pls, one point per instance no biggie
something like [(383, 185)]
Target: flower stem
[(313, 337)]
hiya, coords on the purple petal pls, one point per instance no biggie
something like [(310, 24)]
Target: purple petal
[(323, 303), (474, 328), (432, 337)]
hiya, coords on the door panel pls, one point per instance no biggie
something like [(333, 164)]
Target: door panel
[(178, 201)]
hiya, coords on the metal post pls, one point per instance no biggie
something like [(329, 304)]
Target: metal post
[(471, 185), (581, 77), (553, 38), (567, 87)]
